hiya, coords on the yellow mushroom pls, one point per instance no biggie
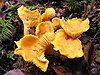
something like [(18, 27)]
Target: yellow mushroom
[(68, 47), (28, 15), (65, 40), (48, 14), (46, 39), (29, 18), (31, 51), (75, 27), (43, 28), (56, 23)]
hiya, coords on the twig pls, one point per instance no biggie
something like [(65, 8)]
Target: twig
[(13, 6)]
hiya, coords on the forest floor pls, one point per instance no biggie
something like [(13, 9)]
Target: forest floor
[(89, 64)]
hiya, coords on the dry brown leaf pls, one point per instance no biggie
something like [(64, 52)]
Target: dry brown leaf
[(86, 48), (61, 71)]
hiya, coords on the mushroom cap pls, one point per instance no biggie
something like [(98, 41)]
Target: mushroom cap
[(56, 22), (75, 27), (28, 15), (43, 28), (48, 14), (25, 43), (68, 47), (31, 51)]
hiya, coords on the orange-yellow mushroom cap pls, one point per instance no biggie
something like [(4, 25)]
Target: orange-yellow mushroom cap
[(43, 28), (31, 51), (48, 14), (75, 27), (28, 15), (28, 42), (68, 47), (56, 22)]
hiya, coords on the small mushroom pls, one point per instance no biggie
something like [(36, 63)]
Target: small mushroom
[(68, 47), (56, 23), (75, 27), (43, 28), (48, 14), (27, 15)]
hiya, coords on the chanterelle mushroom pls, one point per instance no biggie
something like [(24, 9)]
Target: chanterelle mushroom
[(75, 27), (28, 15), (48, 14), (69, 47), (29, 18), (30, 50), (43, 28), (45, 40), (56, 23)]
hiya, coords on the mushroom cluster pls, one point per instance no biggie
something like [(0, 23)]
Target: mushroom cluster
[(50, 34)]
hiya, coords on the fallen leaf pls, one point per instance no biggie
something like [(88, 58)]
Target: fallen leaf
[(86, 48), (61, 71)]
